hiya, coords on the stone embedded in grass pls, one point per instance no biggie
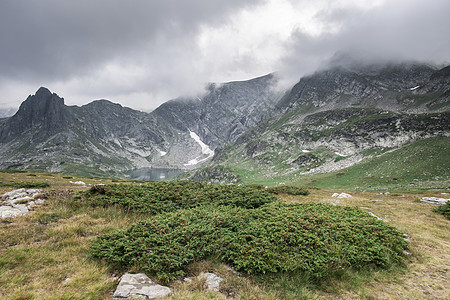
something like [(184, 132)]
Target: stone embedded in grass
[(10, 212), (212, 281), (19, 202), (341, 195), (375, 216), (14, 194), (434, 200), (78, 183), (139, 286)]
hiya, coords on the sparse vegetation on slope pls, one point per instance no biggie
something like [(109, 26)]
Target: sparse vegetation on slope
[(422, 164)]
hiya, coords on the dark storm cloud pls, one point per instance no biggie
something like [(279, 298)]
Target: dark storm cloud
[(60, 39), (143, 52), (402, 30)]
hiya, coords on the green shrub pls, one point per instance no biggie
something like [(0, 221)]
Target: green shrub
[(282, 189), (317, 239), (158, 197), (443, 210), (287, 189), (11, 171), (27, 185)]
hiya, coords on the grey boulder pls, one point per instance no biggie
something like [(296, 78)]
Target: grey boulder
[(139, 286)]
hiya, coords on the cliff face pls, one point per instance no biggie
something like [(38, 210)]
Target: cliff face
[(225, 112)]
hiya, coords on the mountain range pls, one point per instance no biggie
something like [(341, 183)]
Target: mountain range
[(104, 139), (328, 121)]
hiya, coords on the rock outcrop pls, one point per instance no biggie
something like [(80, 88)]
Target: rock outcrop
[(434, 200), (139, 286), (19, 202), (212, 281)]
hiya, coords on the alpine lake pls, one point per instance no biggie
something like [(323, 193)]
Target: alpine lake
[(153, 174)]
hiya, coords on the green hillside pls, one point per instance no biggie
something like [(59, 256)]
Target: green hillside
[(422, 164)]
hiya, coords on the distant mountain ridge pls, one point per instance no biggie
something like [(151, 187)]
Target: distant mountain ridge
[(103, 138), (392, 87)]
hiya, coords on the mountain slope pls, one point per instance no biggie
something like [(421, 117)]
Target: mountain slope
[(421, 164), (225, 112), (336, 118)]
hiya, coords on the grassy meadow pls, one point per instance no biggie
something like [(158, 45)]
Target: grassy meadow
[(48, 254)]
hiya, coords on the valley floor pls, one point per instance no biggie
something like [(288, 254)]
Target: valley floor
[(44, 255)]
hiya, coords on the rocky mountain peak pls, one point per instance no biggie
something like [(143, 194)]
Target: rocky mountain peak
[(41, 102), (43, 112), (43, 92)]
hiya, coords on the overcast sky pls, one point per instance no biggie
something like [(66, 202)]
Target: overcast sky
[(141, 53)]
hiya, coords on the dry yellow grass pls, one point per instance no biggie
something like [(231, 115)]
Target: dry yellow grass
[(44, 255)]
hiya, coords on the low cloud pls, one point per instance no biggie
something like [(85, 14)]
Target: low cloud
[(141, 53), (402, 30)]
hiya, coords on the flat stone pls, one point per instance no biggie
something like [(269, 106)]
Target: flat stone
[(434, 200), (19, 199), (78, 182), (139, 286), (212, 282), (34, 191), (10, 212), (379, 218), (12, 193), (23, 208), (341, 195), (39, 201)]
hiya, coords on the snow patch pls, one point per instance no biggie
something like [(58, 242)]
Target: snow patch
[(339, 154), (117, 142), (205, 150), (162, 153), (414, 88), (306, 151)]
